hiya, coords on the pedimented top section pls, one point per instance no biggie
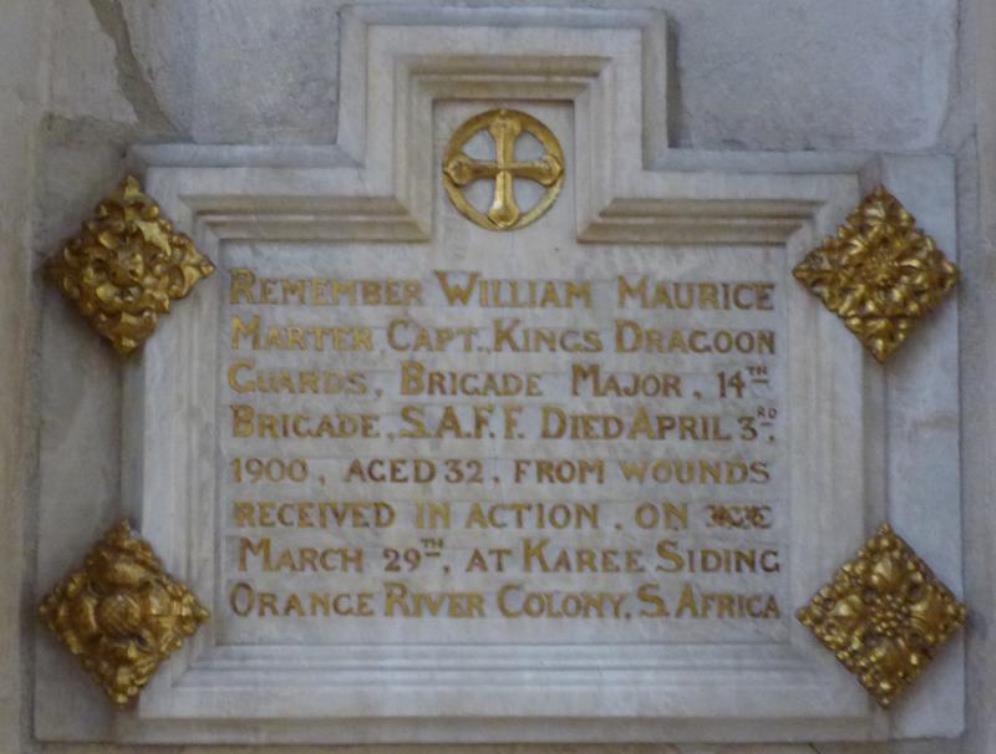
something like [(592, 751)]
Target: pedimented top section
[(611, 61), (600, 61), (397, 61), (611, 65)]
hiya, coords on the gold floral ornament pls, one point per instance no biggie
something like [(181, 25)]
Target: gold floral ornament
[(884, 615), (126, 266), (880, 273), (121, 613)]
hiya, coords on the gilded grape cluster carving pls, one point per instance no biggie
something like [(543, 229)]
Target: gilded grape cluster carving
[(126, 266), (880, 274), (884, 615), (121, 614)]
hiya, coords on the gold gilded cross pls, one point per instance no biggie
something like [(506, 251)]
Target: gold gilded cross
[(504, 127)]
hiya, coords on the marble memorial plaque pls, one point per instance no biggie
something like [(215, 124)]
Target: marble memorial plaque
[(565, 481), (419, 447)]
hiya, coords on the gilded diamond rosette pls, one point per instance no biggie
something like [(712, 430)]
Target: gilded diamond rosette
[(884, 615), (126, 266), (121, 614), (880, 274)]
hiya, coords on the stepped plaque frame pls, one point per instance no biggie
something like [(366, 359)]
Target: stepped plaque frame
[(875, 443)]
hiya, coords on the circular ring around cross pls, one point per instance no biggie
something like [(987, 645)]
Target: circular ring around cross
[(504, 126)]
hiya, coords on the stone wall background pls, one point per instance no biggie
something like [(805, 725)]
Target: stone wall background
[(81, 80)]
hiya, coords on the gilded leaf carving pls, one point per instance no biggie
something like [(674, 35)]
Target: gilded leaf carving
[(126, 266), (121, 614), (880, 274), (884, 615)]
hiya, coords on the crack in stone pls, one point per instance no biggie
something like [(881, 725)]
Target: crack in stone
[(134, 85)]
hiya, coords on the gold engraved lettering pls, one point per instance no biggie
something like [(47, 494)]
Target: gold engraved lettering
[(655, 604), (483, 561), (509, 335), (557, 423), (588, 379), (559, 471), (507, 504), (539, 556), (417, 380), (404, 602), (247, 602), (471, 422), (406, 335), (247, 289), (632, 337), (243, 377), (514, 601), (678, 471), (247, 422), (665, 515), (513, 294), (394, 470), (306, 514), (673, 559), (432, 515), (298, 559), (298, 338), (694, 603), (648, 294), (532, 516)]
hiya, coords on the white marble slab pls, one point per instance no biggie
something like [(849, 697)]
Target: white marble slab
[(847, 449)]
